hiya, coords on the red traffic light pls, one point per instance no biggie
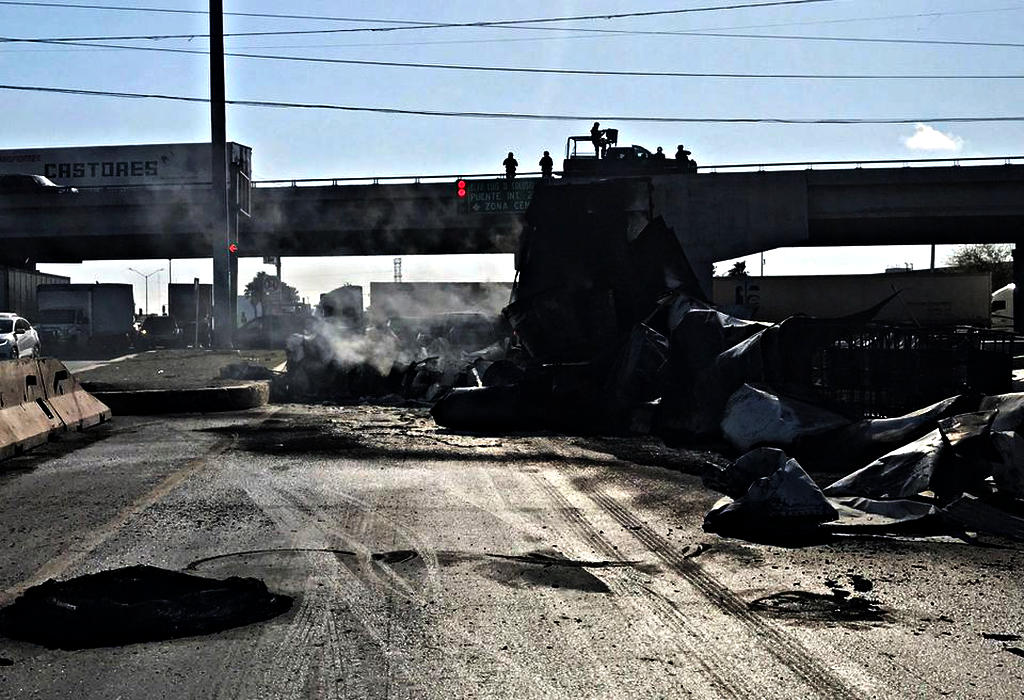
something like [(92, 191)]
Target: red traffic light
[(461, 184), (232, 248)]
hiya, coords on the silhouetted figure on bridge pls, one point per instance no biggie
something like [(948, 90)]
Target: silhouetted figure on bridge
[(546, 165), (597, 138), (510, 164), (683, 161), (658, 155)]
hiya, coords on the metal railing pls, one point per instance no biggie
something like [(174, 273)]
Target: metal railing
[(389, 179), (757, 167), (904, 162)]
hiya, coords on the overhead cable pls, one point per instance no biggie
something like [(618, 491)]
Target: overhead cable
[(556, 71), (577, 30), (518, 115), (410, 24)]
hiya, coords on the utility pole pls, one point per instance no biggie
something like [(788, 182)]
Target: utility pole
[(221, 238)]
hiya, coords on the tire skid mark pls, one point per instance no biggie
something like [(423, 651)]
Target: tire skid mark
[(500, 664), (312, 659), (363, 565), (292, 663), (787, 650), (693, 642), (418, 543)]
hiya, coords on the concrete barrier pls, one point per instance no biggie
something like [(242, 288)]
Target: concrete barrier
[(75, 407), (39, 398)]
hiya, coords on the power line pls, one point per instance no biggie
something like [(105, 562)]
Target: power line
[(553, 71), (573, 32), (519, 115), (578, 30), (504, 24), (411, 24), (570, 30)]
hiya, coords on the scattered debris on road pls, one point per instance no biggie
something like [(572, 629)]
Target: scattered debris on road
[(818, 607), (135, 604)]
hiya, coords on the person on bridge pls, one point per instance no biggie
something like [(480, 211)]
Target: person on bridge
[(546, 165), (658, 155), (510, 164), (683, 161), (597, 138)]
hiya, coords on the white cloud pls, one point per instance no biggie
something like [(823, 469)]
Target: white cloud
[(927, 138)]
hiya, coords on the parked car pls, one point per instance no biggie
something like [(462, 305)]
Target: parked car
[(159, 332), (17, 337), (21, 183)]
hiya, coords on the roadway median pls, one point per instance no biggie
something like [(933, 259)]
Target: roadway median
[(182, 381)]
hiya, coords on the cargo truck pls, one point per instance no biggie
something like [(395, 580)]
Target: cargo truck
[(85, 317)]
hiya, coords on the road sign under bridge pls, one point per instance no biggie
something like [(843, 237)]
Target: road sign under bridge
[(484, 196)]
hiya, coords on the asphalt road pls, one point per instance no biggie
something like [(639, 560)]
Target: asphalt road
[(478, 567)]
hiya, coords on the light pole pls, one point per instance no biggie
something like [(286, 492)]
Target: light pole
[(146, 277)]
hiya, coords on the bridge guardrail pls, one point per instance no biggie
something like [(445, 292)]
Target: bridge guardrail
[(390, 179), (756, 167)]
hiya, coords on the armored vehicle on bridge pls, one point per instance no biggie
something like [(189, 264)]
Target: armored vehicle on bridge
[(612, 159)]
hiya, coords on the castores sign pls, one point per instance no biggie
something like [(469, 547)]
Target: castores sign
[(114, 166)]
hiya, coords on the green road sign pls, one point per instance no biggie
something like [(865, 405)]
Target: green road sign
[(485, 196)]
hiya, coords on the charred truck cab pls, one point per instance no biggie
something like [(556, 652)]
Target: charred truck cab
[(582, 157)]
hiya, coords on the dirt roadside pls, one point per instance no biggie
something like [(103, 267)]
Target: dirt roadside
[(174, 369)]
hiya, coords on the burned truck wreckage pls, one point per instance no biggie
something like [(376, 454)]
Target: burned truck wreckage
[(608, 331)]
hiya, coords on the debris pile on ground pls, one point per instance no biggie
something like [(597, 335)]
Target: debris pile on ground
[(247, 371), (135, 604), (960, 477), (619, 338), (601, 283), (417, 358)]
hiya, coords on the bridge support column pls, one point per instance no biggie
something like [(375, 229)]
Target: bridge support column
[(233, 291), (222, 234), (1018, 289)]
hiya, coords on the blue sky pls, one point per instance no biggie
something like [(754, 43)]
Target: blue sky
[(292, 144)]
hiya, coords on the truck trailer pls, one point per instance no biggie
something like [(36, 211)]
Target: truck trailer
[(191, 307), (79, 317)]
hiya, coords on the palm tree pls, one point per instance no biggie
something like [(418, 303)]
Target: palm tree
[(738, 269)]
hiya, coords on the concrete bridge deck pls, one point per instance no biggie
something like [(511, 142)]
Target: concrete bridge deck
[(717, 215)]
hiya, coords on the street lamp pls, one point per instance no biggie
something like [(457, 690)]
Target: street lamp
[(146, 277)]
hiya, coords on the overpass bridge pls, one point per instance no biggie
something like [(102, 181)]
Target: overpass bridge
[(718, 213)]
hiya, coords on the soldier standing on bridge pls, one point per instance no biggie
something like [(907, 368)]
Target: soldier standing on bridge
[(510, 164), (546, 165), (683, 161), (597, 138)]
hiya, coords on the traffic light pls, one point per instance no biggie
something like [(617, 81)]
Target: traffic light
[(233, 248), (461, 189)]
